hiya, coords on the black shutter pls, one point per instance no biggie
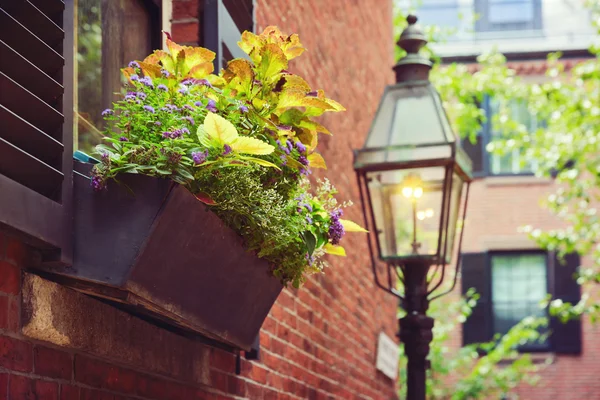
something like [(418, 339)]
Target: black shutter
[(223, 23), (36, 107), (475, 274), (565, 337)]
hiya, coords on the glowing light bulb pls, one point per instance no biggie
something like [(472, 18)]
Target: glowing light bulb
[(429, 212), (421, 215), (417, 192), (407, 191)]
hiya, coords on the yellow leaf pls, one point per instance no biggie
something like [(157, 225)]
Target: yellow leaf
[(151, 70), (203, 137), (334, 250), (240, 68), (273, 61), (350, 226), (219, 129), (249, 145), (315, 160), (196, 56), (200, 71)]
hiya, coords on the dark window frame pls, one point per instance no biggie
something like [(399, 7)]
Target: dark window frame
[(483, 24), (529, 347)]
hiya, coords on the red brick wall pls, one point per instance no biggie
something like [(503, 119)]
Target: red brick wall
[(318, 342)]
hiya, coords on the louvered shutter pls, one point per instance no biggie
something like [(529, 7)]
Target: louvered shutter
[(565, 337), (475, 274), (475, 151), (223, 22), (36, 103)]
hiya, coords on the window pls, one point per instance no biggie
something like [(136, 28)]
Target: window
[(511, 285), (512, 162), (454, 18), (109, 35), (519, 284), (508, 15)]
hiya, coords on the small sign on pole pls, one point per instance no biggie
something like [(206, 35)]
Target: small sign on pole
[(387, 356)]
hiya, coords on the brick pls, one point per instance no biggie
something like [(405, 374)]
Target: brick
[(16, 252), (3, 377), (69, 392), (10, 278), (222, 360), (52, 363), (3, 312), (15, 354), (24, 388), (185, 32), (101, 375), (218, 380), (185, 9), (14, 314), (90, 394)]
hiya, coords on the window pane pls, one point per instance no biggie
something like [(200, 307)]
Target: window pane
[(506, 11), (512, 161), (519, 284), (109, 35)]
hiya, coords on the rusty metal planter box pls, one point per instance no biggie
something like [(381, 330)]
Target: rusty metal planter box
[(151, 246)]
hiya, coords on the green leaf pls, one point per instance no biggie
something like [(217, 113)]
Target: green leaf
[(260, 161), (310, 241)]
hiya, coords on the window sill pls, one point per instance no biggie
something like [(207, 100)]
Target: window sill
[(516, 180), (537, 358)]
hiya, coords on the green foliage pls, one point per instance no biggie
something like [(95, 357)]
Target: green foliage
[(461, 374), (242, 141)]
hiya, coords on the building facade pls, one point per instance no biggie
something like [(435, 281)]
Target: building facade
[(318, 342), (509, 271)]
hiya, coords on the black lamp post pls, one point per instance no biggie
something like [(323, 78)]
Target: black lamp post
[(413, 177)]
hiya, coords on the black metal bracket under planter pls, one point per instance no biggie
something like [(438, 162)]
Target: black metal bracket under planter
[(151, 246)]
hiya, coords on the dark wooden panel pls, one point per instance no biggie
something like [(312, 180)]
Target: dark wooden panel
[(35, 20), (29, 171), (52, 8), (36, 217), (28, 75), (30, 46), (28, 138), (30, 107)]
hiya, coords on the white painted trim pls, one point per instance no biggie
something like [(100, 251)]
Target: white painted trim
[(166, 12)]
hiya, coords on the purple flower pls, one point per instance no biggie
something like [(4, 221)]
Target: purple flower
[(336, 229), (147, 81), (134, 64), (211, 106), (123, 139), (162, 87), (183, 91), (308, 207), (303, 160), (107, 112), (284, 127), (312, 94), (310, 259), (166, 134), (165, 73), (198, 104), (158, 123), (243, 109), (184, 131), (301, 147), (309, 219), (190, 120), (141, 95), (283, 159), (97, 183), (204, 82), (199, 157), (305, 171), (188, 82), (150, 109), (188, 107), (177, 133), (226, 149), (283, 148), (130, 97), (289, 145), (134, 78)]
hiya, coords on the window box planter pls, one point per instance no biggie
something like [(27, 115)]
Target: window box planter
[(151, 246)]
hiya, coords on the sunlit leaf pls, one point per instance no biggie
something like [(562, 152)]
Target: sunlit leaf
[(260, 161), (350, 226), (151, 70), (250, 145), (272, 61), (315, 160), (198, 59), (334, 250), (219, 129)]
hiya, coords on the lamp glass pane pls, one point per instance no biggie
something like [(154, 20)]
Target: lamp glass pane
[(407, 207), (408, 116), (453, 228)]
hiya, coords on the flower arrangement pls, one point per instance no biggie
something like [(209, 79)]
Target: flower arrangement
[(243, 142)]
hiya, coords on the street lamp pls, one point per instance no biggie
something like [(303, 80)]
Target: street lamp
[(413, 177)]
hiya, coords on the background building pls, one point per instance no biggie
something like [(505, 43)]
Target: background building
[(318, 342), (502, 264)]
